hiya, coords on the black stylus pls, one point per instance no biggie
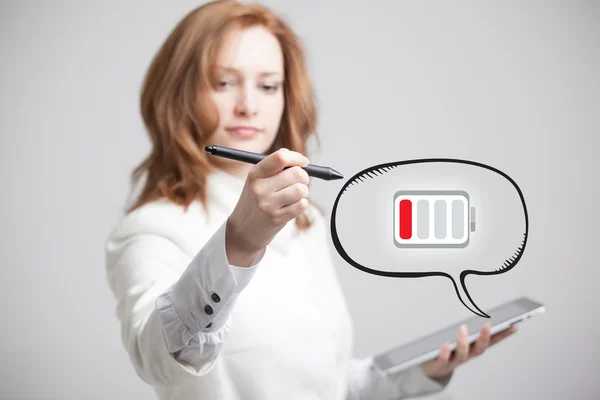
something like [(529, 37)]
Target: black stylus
[(316, 171)]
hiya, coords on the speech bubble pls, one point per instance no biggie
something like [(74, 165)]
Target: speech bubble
[(431, 217)]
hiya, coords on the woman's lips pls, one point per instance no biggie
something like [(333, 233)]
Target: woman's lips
[(244, 131)]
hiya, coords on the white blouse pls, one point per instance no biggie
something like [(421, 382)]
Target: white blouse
[(196, 327)]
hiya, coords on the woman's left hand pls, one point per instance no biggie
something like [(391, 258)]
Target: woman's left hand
[(441, 367)]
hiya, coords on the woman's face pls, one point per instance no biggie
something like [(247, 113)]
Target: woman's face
[(248, 95)]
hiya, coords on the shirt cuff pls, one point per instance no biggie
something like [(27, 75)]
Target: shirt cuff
[(203, 297), (243, 275)]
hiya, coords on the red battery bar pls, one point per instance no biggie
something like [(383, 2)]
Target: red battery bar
[(405, 219)]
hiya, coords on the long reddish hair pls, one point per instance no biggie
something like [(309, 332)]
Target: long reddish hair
[(179, 115)]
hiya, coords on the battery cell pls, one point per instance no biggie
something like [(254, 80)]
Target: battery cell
[(433, 218)]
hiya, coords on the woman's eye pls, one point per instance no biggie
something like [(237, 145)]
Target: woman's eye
[(271, 88), (223, 83)]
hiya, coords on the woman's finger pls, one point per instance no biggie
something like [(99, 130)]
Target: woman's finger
[(482, 342), (284, 179), (445, 354), (461, 353), (276, 162), (439, 366), (293, 210), (290, 195)]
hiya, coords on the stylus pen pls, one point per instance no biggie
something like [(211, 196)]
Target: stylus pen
[(316, 171)]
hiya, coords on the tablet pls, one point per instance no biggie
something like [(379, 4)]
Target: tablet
[(428, 347)]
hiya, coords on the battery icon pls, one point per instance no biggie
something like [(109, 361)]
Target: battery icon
[(432, 218)]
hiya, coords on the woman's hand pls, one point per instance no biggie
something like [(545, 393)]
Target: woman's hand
[(441, 367), (271, 197)]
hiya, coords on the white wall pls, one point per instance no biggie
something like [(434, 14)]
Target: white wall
[(511, 84)]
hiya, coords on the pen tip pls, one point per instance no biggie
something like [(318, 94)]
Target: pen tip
[(208, 148), (336, 175)]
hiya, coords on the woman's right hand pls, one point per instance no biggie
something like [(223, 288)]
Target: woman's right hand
[(271, 198)]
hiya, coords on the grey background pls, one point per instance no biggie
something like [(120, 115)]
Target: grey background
[(512, 84)]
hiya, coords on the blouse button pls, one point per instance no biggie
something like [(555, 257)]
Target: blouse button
[(216, 298), (208, 310), (209, 325)]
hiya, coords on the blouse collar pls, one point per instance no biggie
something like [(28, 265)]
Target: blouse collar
[(224, 191)]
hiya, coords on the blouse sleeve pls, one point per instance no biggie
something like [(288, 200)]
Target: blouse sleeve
[(173, 324), (195, 312)]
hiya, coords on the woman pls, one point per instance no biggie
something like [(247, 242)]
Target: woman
[(221, 269)]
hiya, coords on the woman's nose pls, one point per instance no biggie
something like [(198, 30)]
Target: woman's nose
[(246, 104)]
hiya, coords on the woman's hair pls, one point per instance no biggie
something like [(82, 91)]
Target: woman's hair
[(178, 112)]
